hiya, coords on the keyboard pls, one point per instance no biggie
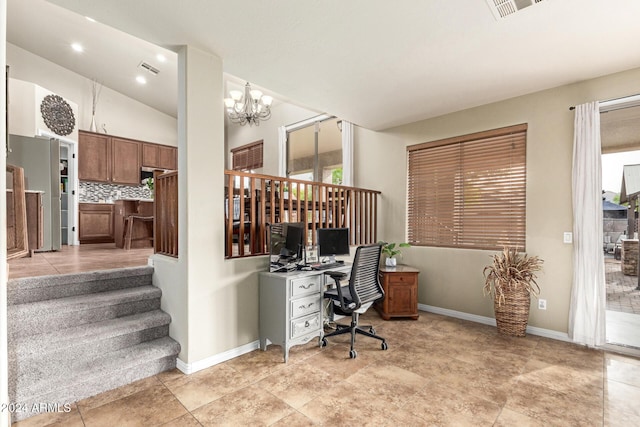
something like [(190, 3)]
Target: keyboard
[(327, 265)]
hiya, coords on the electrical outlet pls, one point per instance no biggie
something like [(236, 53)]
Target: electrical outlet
[(542, 304), (567, 237)]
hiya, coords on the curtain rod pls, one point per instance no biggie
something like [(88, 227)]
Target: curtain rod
[(612, 100)]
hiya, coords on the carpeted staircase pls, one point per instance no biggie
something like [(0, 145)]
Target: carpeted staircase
[(76, 335)]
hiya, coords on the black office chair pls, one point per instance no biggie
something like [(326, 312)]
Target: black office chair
[(358, 295)]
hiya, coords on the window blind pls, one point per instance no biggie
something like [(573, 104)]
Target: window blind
[(469, 191), (248, 156)]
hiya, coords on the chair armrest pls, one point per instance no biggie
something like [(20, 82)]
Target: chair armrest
[(336, 275)]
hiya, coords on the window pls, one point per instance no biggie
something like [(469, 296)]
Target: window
[(247, 157), (469, 191), (314, 152)]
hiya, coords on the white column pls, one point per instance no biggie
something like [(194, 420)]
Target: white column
[(201, 198)]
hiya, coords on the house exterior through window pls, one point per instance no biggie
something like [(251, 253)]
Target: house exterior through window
[(469, 191)]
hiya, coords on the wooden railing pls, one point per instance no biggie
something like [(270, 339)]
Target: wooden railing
[(165, 223), (260, 200)]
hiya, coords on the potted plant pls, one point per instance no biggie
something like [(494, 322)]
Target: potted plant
[(511, 279), (391, 250)]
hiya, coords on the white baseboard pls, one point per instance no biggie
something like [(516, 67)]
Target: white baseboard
[(547, 333), (190, 368)]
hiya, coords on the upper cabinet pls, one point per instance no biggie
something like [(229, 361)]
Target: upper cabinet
[(115, 160), (94, 157), (159, 156), (126, 162)]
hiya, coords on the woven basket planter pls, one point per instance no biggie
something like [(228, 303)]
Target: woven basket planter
[(512, 314)]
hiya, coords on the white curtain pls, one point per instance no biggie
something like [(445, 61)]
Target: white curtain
[(282, 151), (347, 153), (588, 294)]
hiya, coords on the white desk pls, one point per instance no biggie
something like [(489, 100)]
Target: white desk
[(291, 307)]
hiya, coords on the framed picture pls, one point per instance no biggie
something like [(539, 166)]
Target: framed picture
[(311, 254)]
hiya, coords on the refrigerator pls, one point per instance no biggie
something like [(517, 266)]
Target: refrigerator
[(40, 157)]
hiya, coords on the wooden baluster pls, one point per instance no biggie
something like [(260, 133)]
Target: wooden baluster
[(229, 218), (263, 215), (252, 215)]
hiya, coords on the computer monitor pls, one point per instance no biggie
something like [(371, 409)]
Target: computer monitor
[(285, 245), (294, 239), (333, 241)]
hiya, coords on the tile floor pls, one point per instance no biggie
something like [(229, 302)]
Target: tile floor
[(437, 371), (74, 259)]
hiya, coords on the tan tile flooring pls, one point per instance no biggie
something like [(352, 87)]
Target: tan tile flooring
[(437, 371)]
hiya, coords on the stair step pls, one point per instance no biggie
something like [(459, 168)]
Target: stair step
[(32, 289), (57, 314), (43, 355), (85, 378)]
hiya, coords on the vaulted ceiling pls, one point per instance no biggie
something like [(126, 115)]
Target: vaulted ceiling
[(376, 63)]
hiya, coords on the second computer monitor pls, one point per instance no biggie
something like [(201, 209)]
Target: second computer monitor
[(333, 241)]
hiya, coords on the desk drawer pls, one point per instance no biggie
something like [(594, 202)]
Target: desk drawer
[(305, 285), (304, 306), (305, 325)]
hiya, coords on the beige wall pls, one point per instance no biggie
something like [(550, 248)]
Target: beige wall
[(282, 114), (450, 278), (121, 115)]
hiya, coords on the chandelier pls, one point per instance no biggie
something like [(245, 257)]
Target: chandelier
[(250, 107)]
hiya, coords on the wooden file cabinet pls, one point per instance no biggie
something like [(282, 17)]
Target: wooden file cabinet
[(400, 286)]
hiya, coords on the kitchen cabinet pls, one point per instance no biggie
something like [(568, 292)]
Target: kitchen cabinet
[(96, 223), (126, 162), (94, 157), (400, 286), (159, 156), (117, 160)]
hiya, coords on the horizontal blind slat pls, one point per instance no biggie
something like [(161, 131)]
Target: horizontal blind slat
[(470, 193)]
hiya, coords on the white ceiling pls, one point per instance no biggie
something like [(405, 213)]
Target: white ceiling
[(376, 63)]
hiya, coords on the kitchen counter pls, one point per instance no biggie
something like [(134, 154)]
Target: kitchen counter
[(136, 200)]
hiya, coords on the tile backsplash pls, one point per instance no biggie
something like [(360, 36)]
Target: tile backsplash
[(96, 192)]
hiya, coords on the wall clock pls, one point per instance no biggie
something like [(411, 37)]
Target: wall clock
[(57, 115)]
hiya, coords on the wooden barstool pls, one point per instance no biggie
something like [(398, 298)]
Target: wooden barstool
[(128, 229)]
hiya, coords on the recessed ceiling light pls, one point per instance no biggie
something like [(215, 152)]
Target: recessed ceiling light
[(160, 57), (77, 47), (90, 19), (141, 80)]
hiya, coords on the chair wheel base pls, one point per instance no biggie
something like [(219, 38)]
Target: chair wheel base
[(323, 342), (353, 354), (384, 346)]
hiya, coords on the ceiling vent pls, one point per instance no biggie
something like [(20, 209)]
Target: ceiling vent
[(153, 70), (503, 8)]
